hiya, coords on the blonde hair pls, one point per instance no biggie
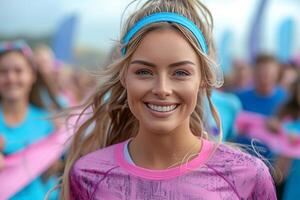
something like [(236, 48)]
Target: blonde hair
[(107, 117)]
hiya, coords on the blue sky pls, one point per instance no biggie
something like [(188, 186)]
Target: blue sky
[(99, 20)]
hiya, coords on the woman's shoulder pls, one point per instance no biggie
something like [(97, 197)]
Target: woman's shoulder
[(235, 157), (90, 169), (101, 159), (247, 173)]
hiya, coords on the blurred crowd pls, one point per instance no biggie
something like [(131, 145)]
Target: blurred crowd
[(34, 85), (269, 92)]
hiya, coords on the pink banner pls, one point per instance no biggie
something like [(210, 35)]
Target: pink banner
[(24, 166), (253, 125)]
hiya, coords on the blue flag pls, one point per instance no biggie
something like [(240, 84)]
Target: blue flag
[(255, 32), (285, 38), (63, 40)]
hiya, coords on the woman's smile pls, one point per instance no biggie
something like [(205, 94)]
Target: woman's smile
[(161, 109)]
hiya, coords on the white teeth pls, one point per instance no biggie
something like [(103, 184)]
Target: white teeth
[(161, 108)]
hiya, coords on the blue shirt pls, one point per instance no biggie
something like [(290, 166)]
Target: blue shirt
[(292, 127), (228, 106), (34, 128), (265, 105)]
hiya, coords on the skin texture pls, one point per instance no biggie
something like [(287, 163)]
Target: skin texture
[(163, 72)]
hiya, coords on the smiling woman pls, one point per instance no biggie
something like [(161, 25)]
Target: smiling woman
[(149, 140), (22, 112)]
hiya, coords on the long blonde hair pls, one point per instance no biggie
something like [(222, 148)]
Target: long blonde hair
[(111, 119)]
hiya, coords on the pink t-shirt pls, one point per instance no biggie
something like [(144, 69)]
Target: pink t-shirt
[(221, 174)]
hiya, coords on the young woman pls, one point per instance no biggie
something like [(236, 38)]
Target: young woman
[(148, 140), (22, 111)]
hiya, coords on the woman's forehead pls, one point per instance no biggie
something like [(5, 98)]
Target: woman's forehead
[(165, 44), (13, 59), (9, 54)]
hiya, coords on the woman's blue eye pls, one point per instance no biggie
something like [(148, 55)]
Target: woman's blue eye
[(143, 72), (181, 73)]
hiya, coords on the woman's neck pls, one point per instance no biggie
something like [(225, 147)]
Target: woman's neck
[(162, 151), (14, 112)]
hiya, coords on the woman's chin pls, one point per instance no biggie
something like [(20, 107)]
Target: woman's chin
[(160, 128)]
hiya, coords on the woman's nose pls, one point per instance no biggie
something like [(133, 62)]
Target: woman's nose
[(162, 87)]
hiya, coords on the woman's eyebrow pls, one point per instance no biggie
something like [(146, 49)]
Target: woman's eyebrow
[(143, 62), (146, 63), (184, 62)]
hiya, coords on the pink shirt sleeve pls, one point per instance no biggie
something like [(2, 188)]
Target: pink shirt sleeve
[(264, 186), (77, 188)]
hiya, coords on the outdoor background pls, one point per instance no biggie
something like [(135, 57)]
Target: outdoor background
[(92, 26)]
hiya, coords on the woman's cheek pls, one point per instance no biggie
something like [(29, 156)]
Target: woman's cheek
[(188, 91)]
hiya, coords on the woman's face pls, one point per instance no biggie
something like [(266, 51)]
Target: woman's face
[(163, 81), (16, 77)]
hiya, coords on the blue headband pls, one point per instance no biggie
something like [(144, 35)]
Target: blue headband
[(18, 45), (166, 17)]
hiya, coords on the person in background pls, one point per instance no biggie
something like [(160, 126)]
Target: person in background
[(49, 68), (288, 74), (265, 96), (241, 77), (22, 111), (288, 119), (75, 84)]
